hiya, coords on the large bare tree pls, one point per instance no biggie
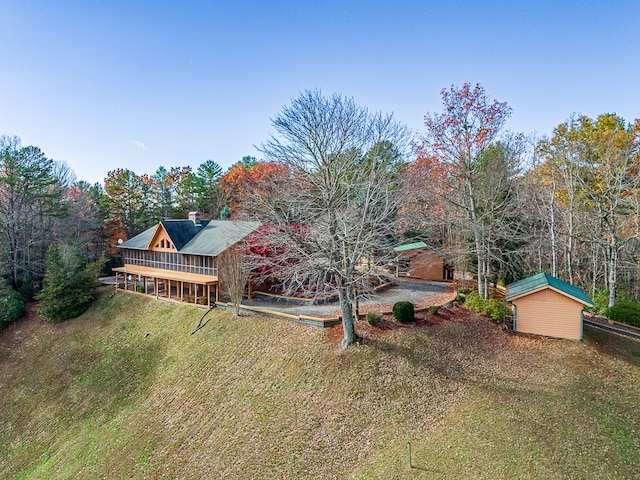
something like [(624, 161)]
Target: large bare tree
[(590, 173), (334, 214)]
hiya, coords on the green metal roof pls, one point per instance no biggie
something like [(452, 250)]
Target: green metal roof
[(411, 246), (416, 246), (541, 280), (210, 239)]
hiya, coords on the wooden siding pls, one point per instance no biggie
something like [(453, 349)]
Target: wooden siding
[(161, 241), (423, 263), (547, 312)]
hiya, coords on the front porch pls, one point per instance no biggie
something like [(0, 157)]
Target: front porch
[(182, 287)]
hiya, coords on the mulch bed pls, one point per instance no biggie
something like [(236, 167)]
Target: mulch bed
[(422, 319)]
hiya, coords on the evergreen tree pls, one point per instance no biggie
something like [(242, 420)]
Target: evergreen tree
[(70, 283), (11, 304)]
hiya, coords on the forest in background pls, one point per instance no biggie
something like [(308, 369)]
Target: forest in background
[(501, 205)]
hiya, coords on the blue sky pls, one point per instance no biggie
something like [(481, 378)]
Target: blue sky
[(103, 85)]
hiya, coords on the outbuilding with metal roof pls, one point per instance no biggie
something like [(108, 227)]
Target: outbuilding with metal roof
[(419, 260), (545, 305)]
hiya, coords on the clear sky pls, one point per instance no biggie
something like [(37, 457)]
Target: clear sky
[(139, 84)]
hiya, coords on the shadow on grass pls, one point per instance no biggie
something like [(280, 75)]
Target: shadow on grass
[(613, 345)]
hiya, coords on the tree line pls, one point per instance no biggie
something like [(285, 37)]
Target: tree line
[(55, 229), (510, 206), (341, 186)]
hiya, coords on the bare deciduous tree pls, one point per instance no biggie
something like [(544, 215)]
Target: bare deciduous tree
[(233, 272), (609, 176), (336, 215), (590, 171)]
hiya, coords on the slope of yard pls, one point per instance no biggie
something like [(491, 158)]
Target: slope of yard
[(125, 392)]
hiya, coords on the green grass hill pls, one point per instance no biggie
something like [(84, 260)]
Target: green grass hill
[(124, 392)]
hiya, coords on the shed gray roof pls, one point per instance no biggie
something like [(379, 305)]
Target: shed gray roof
[(542, 280), (218, 235), (210, 239)]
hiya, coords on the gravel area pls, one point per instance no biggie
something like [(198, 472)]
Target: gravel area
[(418, 292)]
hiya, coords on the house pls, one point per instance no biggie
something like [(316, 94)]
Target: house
[(178, 259), (545, 305), (419, 260)]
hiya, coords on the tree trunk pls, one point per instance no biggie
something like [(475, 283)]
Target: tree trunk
[(479, 241), (346, 305), (356, 304), (552, 231), (569, 259), (613, 270), (570, 234), (594, 268), (487, 276)]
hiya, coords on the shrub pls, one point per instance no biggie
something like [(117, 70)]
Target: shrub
[(625, 311), (433, 310), (496, 309), (374, 318), (474, 301), (601, 301), (11, 304), (404, 312), (461, 297), (493, 308), (225, 213), (27, 290)]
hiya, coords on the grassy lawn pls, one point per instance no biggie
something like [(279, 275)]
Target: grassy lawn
[(125, 392)]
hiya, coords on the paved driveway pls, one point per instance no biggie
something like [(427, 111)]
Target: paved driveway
[(413, 291)]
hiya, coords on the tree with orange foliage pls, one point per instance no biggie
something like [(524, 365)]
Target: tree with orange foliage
[(426, 209), (171, 196), (244, 184)]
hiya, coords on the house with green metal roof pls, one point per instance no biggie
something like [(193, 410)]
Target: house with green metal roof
[(545, 305), (178, 259), (419, 260)]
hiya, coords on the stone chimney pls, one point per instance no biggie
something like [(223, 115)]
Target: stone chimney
[(195, 218)]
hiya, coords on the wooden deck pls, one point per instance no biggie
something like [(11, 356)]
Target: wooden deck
[(167, 274), (183, 287)]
